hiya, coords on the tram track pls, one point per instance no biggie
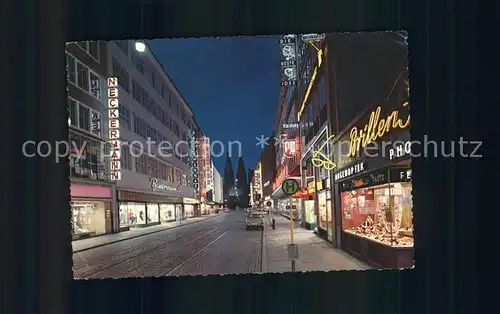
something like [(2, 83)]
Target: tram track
[(99, 270)]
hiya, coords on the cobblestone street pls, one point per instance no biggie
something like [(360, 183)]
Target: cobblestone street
[(218, 245)]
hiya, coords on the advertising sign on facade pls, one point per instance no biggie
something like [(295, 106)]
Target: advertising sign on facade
[(288, 60), (114, 129), (289, 148), (312, 37), (193, 156)]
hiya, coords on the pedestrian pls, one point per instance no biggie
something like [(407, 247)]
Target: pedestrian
[(273, 223)]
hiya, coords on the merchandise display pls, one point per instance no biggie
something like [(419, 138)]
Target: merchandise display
[(167, 212), (88, 218), (135, 214), (322, 210), (309, 212), (152, 211), (381, 213), (188, 211)]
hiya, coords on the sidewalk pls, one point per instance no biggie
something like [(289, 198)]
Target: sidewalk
[(90, 243), (315, 254)]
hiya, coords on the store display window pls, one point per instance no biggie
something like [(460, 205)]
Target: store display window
[(323, 211), (167, 212), (152, 213), (382, 213), (136, 214), (88, 218), (188, 211), (310, 214)]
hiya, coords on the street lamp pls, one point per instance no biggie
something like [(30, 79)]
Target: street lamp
[(140, 46)]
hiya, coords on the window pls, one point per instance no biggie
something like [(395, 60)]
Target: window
[(120, 73), (178, 175), (152, 79), (170, 174), (137, 92), (170, 123), (71, 68), (177, 108), (162, 171), (170, 100), (140, 163), (93, 49), (123, 45), (162, 91), (152, 166), (184, 179), (95, 85), (84, 117), (150, 103), (82, 75), (126, 158), (124, 114), (73, 112), (159, 113), (138, 62), (149, 132)]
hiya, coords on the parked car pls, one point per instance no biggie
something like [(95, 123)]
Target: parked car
[(254, 220)]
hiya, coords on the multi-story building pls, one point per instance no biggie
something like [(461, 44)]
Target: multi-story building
[(218, 186), (92, 192), (268, 164), (155, 121), (206, 175)]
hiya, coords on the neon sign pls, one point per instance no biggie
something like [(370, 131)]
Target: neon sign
[(321, 160), (114, 128), (375, 129)]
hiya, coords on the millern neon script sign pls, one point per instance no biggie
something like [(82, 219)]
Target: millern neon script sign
[(375, 129)]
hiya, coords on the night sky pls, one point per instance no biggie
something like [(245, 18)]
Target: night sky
[(232, 85)]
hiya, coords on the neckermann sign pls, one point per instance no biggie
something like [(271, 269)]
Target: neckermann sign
[(114, 129), (193, 162)]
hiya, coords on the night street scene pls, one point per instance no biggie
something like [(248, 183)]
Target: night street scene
[(240, 155)]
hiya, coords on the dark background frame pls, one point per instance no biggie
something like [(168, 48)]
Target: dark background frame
[(36, 240)]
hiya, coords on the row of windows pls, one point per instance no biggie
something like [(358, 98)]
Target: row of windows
[(91, 48), (153, 167), (142, 97), (84, 118), (143, 129), (121, 74), (138, 62), (82, 76)]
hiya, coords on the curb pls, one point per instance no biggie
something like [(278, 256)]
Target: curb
[(263, 257), (144, 234)]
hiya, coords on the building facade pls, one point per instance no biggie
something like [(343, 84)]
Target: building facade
[(155, 122), (92, 192), (218, 186)]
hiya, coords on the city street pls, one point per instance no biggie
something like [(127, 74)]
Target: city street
[(219, 245)]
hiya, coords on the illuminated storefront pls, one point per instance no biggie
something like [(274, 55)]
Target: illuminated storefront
[(373, 186), (91, 210)]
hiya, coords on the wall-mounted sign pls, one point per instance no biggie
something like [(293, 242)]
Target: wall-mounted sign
[(400, 150), (159, 185), (400, 174), (289, 148), (290, 125), (312, 37), (193, 162), (114, 126), (350, 171), (96, 123), (288, 60), (186, 200), (375, 129), (320, 159)]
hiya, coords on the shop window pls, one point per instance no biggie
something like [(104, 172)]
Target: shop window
[(381, 213), (167, 212), (323, 211), (88, 218), (152, 213), (136, 213), (124, 221)]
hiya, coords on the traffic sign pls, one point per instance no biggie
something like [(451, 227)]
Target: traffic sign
[(290, 186)]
